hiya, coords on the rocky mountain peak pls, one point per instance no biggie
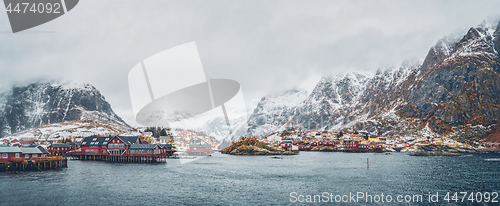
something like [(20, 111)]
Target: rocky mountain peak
[(457, 85), (438, 53), (32, 104)]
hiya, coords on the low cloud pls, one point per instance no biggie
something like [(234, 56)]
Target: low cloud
[(264, 45)]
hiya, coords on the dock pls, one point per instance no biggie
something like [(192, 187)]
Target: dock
[(34, 164), (120, 158)]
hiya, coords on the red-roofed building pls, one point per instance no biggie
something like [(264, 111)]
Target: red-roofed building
[(199, 149)]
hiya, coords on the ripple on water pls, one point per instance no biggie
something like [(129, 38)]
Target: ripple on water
[(249, 180)]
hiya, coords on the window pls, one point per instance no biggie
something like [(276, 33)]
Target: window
[(35, 155), (4, 155), (94, 139), (27, 156), (17, 155), (91, 151)]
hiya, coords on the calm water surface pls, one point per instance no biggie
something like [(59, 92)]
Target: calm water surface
[(252, 180)]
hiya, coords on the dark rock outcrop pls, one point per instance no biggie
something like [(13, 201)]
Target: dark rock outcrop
[(30, 105)]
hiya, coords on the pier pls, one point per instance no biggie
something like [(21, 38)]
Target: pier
[(34, 164), (124, 159)]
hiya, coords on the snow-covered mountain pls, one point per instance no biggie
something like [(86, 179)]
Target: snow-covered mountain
[(458, 84), (33, 104), (271, 112), (73, 129)]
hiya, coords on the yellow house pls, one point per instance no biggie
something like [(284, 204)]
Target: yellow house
[(373, 139), (355, 137)]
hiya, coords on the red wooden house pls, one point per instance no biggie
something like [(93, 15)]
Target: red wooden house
[(362, 146), (118, 145), (7, 153), (144, 150), (305, 147), (121, 149), (30, 152), (94, 145), (351, 145), (58, 149), (285, 145), (27, 141), (199, 149), (74, 145), (167, 149)]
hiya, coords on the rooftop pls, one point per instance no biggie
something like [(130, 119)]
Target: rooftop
[(30, 150), (9, 150)]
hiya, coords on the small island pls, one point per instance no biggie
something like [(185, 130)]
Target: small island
[(255, 146), (439, 150)]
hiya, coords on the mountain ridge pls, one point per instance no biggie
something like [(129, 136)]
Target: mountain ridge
[(30, 104), (457, 84)]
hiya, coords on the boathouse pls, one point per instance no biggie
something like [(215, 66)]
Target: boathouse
[(59, 149), (119, 144), (121, 149), (28, 157), (30, 152), (305, 147), (7, 153), (94, 145), (199, 149)]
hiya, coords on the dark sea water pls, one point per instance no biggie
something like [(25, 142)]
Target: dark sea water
[(256, 180)]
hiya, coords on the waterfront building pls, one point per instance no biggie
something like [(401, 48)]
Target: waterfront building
[(121, 149), (199, 149), (7, 153), (59, 149), (151, 150), (30, 152)]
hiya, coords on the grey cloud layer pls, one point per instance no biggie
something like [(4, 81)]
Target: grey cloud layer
[(264, 45)]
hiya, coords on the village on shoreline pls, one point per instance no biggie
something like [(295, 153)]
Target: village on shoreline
[(292, 141), (153, 144)]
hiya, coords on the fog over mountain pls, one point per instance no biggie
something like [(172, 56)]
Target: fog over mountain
[(33, 104), (456, 87), (264, 45)]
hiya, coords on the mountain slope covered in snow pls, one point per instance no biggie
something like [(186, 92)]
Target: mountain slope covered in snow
[(457, 86), (30, 105)]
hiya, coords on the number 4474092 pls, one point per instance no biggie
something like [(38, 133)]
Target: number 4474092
[(35, 8), (472, 197)]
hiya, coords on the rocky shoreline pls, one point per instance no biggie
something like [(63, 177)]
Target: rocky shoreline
[(254, 146), (440, 150)]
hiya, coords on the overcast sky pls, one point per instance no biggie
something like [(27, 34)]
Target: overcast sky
[(264, 45)]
